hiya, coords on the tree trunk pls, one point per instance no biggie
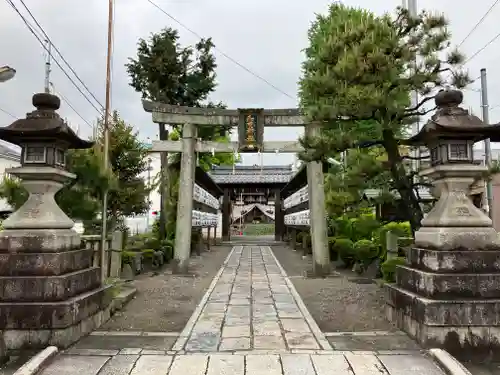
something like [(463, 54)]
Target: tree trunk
[(402, 182)]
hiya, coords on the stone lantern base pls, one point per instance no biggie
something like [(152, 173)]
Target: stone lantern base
[(448, 294), (50, 294), (449, 299)]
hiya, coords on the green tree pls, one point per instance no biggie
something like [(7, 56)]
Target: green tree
[(128, 161), (165, 71), (79, 198), (361, 67)]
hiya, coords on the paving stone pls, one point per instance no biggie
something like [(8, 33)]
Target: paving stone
[(236, 331), (267, 328), (263, 365), (128, 351), (119, 365), (297, 340), (68, 364), (205, 341), (235, 343), (239, 301), (226, 365), (297, 364), (152, 365), (268, 342), (184, 365), (295, 325)]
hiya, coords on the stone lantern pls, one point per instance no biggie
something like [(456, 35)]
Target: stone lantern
[(448, 294), (51, 293)]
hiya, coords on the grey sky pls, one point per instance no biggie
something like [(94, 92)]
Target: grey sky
[(265, 36)]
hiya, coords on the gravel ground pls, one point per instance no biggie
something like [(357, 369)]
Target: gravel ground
[(336, 303), (165, 302)]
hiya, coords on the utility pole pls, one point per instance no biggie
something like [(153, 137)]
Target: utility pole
[(107, 104), (47, 67), (487, 145), (411, 5), (149, 191)]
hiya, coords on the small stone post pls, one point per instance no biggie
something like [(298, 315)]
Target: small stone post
[(208, 238), (391, 244), (183, 229), (319, 234)]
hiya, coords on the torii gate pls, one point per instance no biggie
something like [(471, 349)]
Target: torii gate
[(250, 123)]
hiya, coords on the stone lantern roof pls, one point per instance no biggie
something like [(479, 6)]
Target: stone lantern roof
[(43, 123), (450, 121)]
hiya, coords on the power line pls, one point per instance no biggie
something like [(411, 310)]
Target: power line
[(482, 49), (479, 22), (30, 28), (71, 106), (8, 113), (221, 52), (61, 55)]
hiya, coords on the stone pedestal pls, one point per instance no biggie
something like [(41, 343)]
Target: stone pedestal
[(449, 299), (448, 294), (50, 294)]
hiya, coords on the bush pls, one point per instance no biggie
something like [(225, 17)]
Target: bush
[(345, 249), (389, 268), (400, 229), (331, 248), (364, 227), (128, 256), (365, 251)]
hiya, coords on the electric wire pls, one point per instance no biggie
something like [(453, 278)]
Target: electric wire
[(58, 93), (30, 28), (61, 55), (478, 23), (221, 52), (8, 113)]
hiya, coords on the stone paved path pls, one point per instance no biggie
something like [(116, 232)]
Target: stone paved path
[(250, 322)]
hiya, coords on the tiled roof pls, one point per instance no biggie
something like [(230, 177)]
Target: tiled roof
[(246, 174)]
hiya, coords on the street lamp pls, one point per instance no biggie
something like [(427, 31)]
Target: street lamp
[(6, 73)]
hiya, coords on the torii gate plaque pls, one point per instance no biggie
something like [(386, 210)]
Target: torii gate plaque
[(250, 123)]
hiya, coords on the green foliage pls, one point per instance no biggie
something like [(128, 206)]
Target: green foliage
[(164, 71), (389, 268), (399, 229), (344, 247), (258, 229), (365, 251), (79, 199), (356, 228), (357, 78), (128, 161)]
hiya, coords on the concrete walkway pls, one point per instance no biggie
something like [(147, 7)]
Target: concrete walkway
[(251, 321)]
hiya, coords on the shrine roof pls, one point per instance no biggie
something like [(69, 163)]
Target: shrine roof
[(251, 174)]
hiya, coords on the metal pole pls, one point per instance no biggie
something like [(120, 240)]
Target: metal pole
[(149, 192), (47, 67), (106, 141), (487, 145)]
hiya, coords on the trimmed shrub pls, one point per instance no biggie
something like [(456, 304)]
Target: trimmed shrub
[(331, 248), (389, 268), (345, 248), (400, 229), (365, 251)]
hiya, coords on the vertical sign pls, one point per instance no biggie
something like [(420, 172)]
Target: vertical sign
[(250, 130)]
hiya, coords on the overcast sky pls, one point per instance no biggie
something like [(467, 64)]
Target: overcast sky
[(267, 37)]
